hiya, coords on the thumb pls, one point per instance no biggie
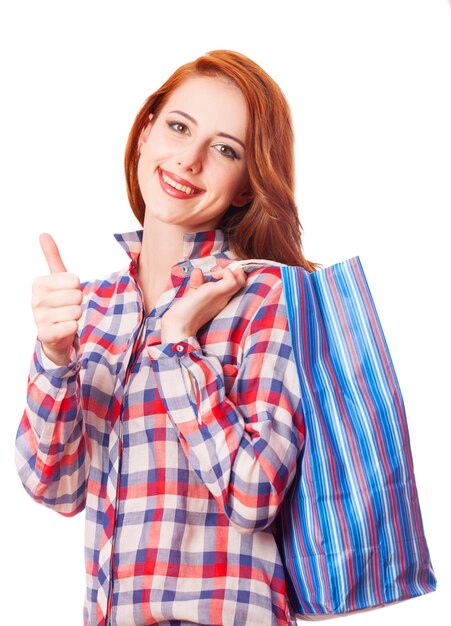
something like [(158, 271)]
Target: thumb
[(51, 253)]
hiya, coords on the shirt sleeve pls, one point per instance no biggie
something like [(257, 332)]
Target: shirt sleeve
[(245, 453), (51, 442)]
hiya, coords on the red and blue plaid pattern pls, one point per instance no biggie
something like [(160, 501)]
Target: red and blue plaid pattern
[(180, 453)]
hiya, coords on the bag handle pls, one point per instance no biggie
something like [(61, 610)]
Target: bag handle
[(249, 264)]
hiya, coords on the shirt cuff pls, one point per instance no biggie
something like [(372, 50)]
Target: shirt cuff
[(172, 349), (46, 366), (189, 382)]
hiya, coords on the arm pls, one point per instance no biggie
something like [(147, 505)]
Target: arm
[(51, 442), (51, 445), (245, 453)]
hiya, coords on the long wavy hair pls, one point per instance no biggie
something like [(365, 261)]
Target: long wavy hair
[(268, 227)]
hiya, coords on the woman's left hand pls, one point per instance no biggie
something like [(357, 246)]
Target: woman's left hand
[(201, 302)]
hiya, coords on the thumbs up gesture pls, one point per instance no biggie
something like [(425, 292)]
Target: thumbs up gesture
[(56, 303)]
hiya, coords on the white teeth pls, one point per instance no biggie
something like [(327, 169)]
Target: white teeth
[(171, 182)]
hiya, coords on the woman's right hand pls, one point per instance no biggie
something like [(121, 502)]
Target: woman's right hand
[(56, 303)]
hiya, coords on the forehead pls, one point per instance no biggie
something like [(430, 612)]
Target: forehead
[(211, 101)]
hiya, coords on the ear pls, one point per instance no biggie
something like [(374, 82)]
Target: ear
[(244, 197), (146, 130)]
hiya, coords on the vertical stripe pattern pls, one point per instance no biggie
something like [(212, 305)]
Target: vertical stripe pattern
[(351, 533)]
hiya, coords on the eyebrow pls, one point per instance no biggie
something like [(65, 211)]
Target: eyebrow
[(219, 134)]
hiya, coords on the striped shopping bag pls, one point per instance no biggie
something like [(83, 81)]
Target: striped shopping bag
[(350, 531)]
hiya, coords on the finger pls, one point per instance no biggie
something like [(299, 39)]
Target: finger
[(196, 278), (230, 282), (53, 282), (238, 275), (58, 332), (238, 278), (64, 314), (51, 253), (63, 297)]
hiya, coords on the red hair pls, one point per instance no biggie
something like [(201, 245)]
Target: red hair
[(268, 227)]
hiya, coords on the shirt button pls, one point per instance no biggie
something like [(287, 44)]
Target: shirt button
[(179, 347), (184, 268)]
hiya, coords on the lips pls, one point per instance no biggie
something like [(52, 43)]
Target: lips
[(169, 179)]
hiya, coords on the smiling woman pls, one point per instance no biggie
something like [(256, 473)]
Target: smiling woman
[(260, 141), (188, 160), (157, 399), (164, 398)]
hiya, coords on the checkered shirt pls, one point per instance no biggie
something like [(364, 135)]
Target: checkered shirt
[(180, 454)]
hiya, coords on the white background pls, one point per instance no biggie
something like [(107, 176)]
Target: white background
[(369, 88)]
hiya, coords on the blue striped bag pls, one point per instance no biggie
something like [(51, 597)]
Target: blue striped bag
[(350, 531)]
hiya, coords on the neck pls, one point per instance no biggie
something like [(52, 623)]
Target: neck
[(162, 248)]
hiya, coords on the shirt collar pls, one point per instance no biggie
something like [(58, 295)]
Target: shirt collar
[(195, 245)]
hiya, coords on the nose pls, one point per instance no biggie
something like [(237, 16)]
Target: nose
[(191, 158)]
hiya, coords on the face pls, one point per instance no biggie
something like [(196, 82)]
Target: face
[(192, 164)]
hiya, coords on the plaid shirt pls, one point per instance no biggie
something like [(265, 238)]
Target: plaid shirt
[(179, 453)]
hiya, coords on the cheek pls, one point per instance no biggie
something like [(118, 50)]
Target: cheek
[(140, 171), (145, 178), (236, 182), (146, 165), (228, 181)]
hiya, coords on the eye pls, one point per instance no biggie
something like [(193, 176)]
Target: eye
[(226, 150), (178, 127)]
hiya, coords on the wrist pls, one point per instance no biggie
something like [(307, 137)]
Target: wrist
[(58, 358), (172, 334)]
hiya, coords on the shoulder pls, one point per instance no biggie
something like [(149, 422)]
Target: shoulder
[(100, 294), (103, 286), (263, 283), (261, 295), (268, 275), (263, 289)]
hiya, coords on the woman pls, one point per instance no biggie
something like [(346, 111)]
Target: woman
[(173, 415)]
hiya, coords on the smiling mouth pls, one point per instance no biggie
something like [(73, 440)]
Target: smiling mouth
[(177, 184)]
